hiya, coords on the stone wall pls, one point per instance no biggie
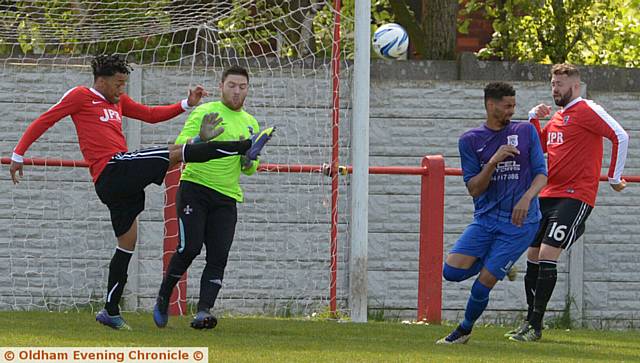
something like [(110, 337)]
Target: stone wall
[(56, 239)]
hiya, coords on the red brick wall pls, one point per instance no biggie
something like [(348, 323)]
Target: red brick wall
[(480, 33)]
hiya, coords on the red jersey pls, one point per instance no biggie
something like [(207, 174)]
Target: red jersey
[(572, 140), (98, 123)]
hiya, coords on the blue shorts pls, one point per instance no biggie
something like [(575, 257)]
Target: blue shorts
[(497, 244)]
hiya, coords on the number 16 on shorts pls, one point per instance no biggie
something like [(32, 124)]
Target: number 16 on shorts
[(557, 232)]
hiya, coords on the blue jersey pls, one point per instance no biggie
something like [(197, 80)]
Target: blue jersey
[(512, 177)]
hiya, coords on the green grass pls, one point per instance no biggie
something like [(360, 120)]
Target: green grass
[(298, 340)]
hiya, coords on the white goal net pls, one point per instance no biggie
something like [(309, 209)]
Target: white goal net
[(56, 239)]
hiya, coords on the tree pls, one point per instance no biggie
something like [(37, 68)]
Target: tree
[(556, 31), (166, 30), (433, 31), (77, 27), (439, 24)]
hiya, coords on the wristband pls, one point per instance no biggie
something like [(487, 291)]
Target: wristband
[(185, 105), (17, 158)]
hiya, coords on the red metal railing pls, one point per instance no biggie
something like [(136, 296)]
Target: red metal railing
[(50, 162), (431, 252), (431, 225)]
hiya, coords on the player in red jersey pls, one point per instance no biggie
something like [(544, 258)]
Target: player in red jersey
[(572, 140), (121, 176)]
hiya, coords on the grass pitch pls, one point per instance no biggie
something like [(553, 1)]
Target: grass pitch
[(299, 340)]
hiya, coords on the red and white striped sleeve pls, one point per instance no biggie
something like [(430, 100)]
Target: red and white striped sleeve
[(603, 124), (69, 104)]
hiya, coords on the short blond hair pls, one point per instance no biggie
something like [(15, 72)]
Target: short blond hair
[(568, 69)]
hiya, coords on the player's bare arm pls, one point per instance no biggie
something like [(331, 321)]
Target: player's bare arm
[(479, 183), (196, 94), (521, 209)]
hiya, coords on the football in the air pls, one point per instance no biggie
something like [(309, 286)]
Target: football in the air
[(390, 41)]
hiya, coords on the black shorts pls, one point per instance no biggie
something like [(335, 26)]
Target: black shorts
[(121, 184), (207, 217), (563, 222)]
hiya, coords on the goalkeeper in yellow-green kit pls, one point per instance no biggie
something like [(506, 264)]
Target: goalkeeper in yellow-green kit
[(207, 197)]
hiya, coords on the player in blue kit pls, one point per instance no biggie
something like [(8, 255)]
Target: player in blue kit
[(503, 168)]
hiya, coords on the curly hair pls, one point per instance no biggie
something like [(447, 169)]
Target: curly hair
[(108, 65), (497, 90)]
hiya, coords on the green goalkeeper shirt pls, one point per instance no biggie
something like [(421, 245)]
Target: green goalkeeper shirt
[(221, 175)]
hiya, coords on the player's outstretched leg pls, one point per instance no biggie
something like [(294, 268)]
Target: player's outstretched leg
[(204, 320), (258, 141), (115, 322), (205, 151)]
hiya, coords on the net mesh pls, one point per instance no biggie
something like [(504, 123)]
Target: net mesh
[(56, 240)]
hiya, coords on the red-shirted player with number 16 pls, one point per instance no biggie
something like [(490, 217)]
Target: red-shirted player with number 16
[(572, 140)]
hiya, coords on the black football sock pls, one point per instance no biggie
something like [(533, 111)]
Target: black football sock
[(530, 282), (547, 277), (117, 279)]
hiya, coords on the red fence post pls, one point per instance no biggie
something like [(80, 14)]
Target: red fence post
[(178, 301), (431, 240)]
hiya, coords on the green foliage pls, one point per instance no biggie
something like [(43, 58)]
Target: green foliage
[(326, 314), (267, 20), (375, 314), (563, 321), (280, 28), (68, 27), (585, 32), (253, 23)]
